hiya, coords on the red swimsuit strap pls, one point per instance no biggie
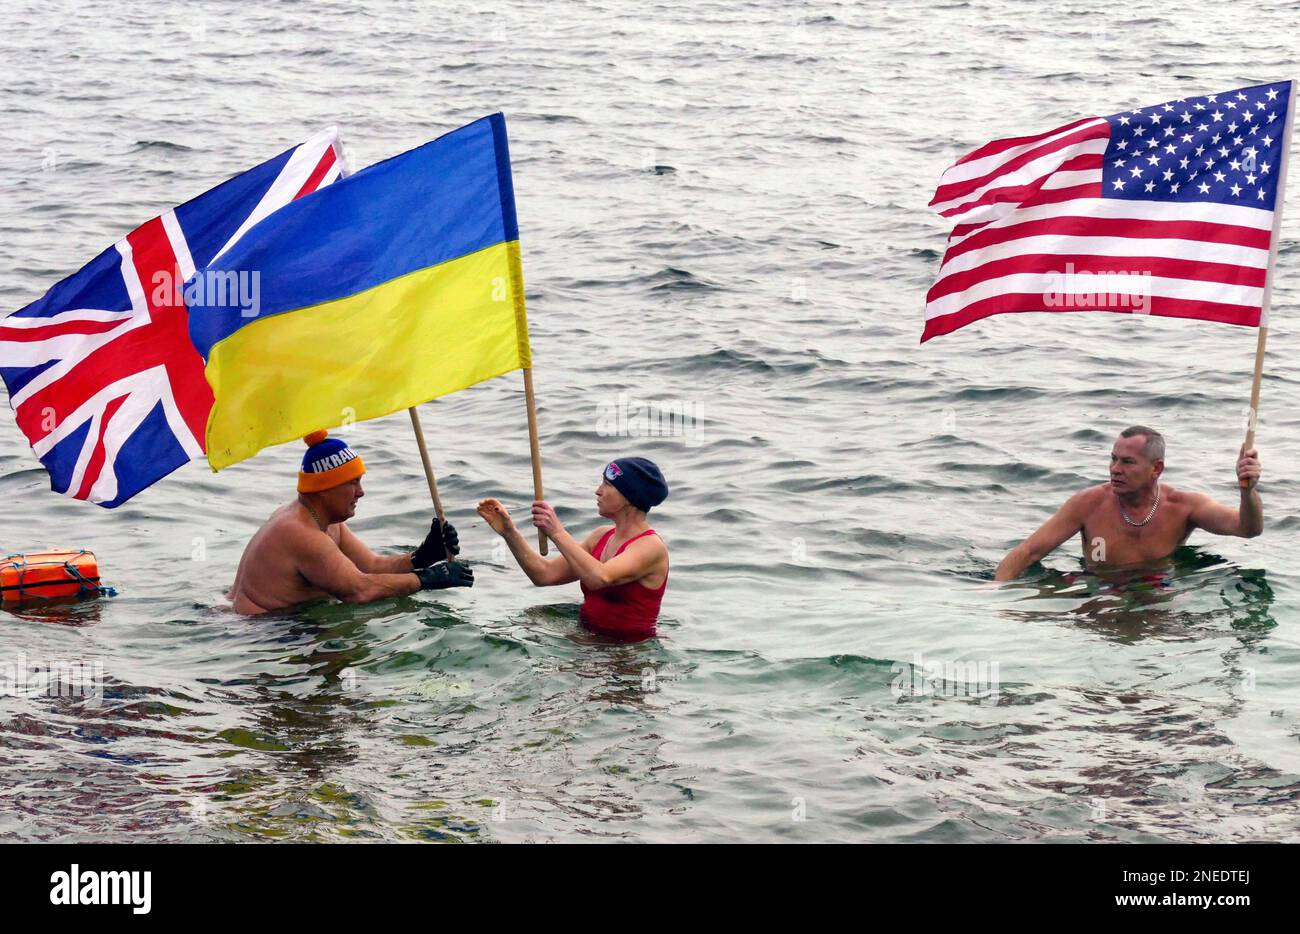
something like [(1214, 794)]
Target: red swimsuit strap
[(599, 551), (631, 540)]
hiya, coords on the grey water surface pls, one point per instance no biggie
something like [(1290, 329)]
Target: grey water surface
[(723, 209)]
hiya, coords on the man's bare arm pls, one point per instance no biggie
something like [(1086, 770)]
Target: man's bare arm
[(366, 560), (326, 567), (1247, 520), (1050, 535)]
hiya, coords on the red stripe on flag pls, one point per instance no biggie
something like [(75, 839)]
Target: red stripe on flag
[(1084, 162), (97, 456), (1073, 193), (155, 265), (1016, 195), (27, 335), (960, 189), (1087, 162), (1161, 267), (1080, 225), (1244, 315), (168, 341), (1002, 145), (327, 160)]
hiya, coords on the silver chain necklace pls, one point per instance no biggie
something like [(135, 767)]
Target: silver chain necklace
[(1138, 525)]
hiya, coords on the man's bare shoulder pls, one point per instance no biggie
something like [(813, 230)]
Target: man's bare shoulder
[(288, 525), (283, 517), (1089, 498), (1190, 502)]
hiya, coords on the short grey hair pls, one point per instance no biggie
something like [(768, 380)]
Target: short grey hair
[(1154, 449)]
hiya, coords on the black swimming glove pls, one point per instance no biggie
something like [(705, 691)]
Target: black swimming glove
[(441, 543), (445, 574)]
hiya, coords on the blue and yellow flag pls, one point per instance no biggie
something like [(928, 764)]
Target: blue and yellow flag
[(388, 288)]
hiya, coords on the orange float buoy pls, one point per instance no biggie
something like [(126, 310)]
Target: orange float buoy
[(47, 574)]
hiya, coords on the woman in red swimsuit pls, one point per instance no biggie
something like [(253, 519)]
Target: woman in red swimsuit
[(623, 569)]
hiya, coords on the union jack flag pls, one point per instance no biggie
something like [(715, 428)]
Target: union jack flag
[(101, 373)]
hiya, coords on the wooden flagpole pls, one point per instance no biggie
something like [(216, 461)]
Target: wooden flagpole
[(534, 450), (1272, 268), (428, 467)]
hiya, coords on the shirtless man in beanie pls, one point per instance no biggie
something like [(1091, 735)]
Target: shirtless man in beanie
[(622, 569), (305, 551)]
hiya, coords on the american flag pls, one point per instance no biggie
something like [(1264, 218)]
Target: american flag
[(101, 373), (1166, 210)]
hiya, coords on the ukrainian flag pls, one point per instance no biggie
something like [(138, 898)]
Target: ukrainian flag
[(391, 287)]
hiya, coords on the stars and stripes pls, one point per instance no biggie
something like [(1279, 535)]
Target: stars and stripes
[(1175, 200), (102, 376)]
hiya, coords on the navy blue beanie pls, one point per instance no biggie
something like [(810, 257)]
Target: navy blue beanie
[(639, 480)]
